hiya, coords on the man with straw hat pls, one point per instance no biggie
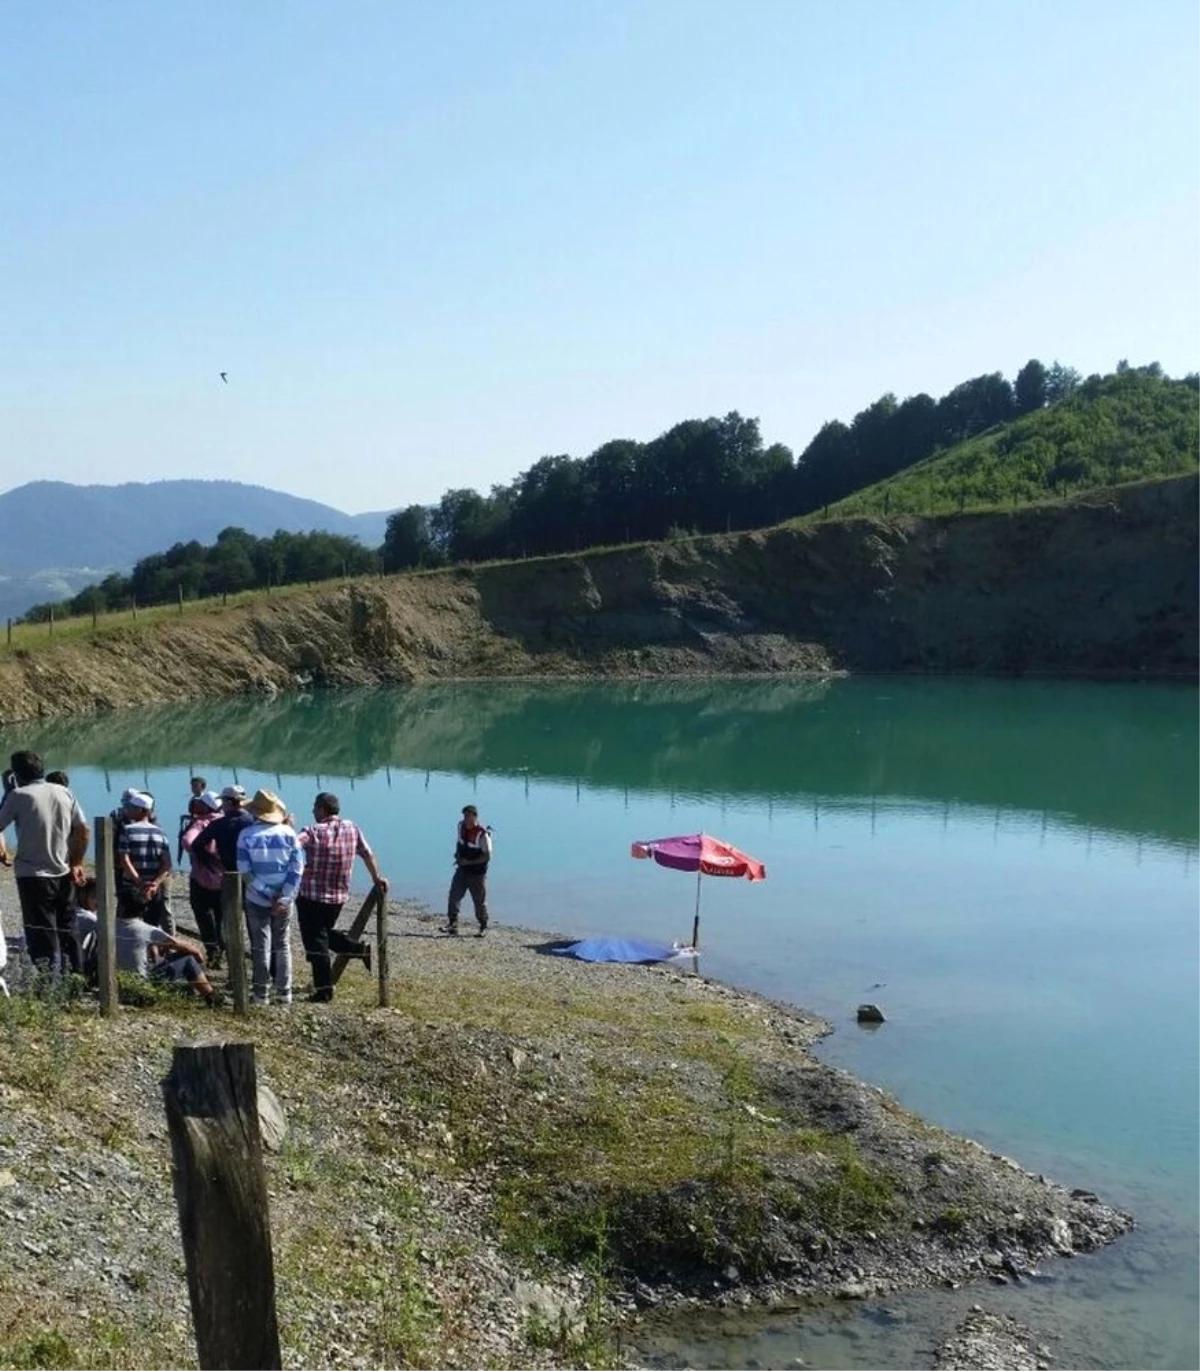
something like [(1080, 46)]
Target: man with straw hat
[(271, 859)]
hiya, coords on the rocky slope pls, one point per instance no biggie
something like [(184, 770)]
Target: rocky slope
[(1107, 584)]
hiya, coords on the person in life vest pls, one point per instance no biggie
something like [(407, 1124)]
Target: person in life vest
[(472, 853)]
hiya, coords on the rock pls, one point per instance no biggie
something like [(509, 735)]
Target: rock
[(532, 1297), (853, 1290), (870, 1013), (516, 1055), (7, 1180), (272, 1121), (1060, 1236), (732, 1274)]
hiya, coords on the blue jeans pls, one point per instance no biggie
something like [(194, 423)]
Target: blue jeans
[(270, 940)]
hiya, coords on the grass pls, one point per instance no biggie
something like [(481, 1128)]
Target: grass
[(647, 1146), (1126, 429)]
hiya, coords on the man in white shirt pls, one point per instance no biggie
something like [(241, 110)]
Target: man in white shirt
[(52, 840)]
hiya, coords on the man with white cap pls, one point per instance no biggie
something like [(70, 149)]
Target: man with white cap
[(144, 853), (271, 859), (207, 874)]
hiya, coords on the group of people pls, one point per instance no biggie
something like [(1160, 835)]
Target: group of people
[(285, 868)]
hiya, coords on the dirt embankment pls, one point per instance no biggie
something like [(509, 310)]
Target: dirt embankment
[(1103, 585)]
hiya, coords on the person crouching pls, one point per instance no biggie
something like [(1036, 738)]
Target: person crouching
[(271, 859)]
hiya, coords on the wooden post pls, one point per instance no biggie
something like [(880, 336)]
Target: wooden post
[(361, 919), (181, 597), (234, 921), (93, 614), (9, 632), (224, 598), (211, 1099), (381, 949), (106, 916), (52, 621), (133, 606)]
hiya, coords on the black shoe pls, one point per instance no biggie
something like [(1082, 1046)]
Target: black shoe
[(450, 930), (482, 930), (366, 956), (320, 997)]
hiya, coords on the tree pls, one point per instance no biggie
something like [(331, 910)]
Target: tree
[(1061, 382), (408, 541), (1030, 388)]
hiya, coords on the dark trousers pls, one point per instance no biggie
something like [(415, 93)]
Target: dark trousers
[(48, 913), (323, 941), (475, 882), (206, 906)]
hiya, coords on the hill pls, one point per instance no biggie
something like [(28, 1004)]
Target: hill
[(1131, 426), (1102, 585), (55, 538)]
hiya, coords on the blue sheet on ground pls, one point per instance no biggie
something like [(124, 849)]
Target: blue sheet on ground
[(621, 950)]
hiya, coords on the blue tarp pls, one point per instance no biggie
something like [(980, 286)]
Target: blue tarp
[(621, 950)]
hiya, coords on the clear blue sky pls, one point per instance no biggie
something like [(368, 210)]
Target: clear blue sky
[(432, 242)]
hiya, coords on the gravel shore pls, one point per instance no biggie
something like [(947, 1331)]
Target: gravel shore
[(506, 1168)]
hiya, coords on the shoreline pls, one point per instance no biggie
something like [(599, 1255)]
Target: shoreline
[(597, 1142)]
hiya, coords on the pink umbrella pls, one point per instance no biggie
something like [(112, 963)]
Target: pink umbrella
[(706, 856)]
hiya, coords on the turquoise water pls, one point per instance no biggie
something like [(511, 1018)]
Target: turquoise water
[(1008, 868)]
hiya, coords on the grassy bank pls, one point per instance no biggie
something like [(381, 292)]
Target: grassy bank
[(498, 1171)]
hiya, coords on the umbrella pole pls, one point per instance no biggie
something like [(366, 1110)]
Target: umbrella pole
[(696, 919)]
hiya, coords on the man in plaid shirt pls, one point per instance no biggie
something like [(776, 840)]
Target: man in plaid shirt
[(330, 847)]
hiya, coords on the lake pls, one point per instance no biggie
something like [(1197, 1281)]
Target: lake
[(1009, 868)]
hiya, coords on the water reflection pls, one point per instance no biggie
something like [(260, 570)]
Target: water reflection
[(1109, 757)]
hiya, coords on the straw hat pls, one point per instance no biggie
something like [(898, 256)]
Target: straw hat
[(267, 807)]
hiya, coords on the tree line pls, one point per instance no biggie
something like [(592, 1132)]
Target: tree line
[(701, 476), (706, 476), (236, 561)]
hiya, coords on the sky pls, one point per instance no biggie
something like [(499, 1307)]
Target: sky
[(431, 242)]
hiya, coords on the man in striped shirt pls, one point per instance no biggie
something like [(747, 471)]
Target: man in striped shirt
[(144, 854), (270, 857), (330, 847)]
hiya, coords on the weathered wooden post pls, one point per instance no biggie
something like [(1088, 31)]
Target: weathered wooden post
[(361, 920), (181, 597), (211, 1099), (52, 621), (8, 631), (106, 917), (235, 941), (381, 950)]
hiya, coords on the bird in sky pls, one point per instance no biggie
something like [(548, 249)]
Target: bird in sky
[(224, 378)]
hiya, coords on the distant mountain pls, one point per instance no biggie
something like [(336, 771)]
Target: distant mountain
[(55, 538)]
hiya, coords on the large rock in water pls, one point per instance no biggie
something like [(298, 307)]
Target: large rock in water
[(991, 1342), (870, 1013)]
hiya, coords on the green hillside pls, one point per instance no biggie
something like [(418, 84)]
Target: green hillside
[(1134, 425)]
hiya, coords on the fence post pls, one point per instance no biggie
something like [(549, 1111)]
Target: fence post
[(9, 633), (211, 1100), (235, 940), (133, 606), (93, 614), (106, 917), (52, 621), (181, 597), (381, 950), (361, 919)]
